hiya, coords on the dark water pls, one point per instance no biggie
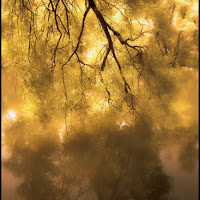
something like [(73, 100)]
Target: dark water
[(122, 164), (185, 184)]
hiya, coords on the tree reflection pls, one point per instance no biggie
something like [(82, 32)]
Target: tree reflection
[(106, 163), (188, 149)]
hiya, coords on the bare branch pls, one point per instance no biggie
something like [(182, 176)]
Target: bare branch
[(79, 38)]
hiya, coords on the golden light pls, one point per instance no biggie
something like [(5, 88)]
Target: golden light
[(28, 110), (195, 7), (96, 107), (60, 132), (175, 19), (122, 124), (11, 115), (117, 17), (182, 2), (104, 103), (91, 54), (60, 135), (188, 69), (100, 105)]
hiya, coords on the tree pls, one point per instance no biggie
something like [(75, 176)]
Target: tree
[(107, 164), (85, 56), (110, 70)]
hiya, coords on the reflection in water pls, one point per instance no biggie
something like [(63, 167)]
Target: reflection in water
[(185, 184), (115, 163), (110, 164), (185, 139)]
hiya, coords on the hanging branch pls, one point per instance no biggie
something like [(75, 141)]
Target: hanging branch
[(105, 27), (173, 63), (79, 38)]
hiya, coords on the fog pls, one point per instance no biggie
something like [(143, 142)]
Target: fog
[(103, 160)]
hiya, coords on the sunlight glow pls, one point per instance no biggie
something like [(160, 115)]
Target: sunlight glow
[(60, 132), (11, 115), (91, 54), (117, 17), (182, 2), (188, 68), (60, 135), (100, 105), (96, 107), (121, 125), (188, 23), (175, 19), (28, 110), (195, 7)]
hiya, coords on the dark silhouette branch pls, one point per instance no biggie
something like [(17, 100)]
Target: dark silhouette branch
[(80, 35)]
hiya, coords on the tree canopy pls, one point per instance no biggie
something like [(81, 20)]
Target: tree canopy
[(94, 81), (87, 57)]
